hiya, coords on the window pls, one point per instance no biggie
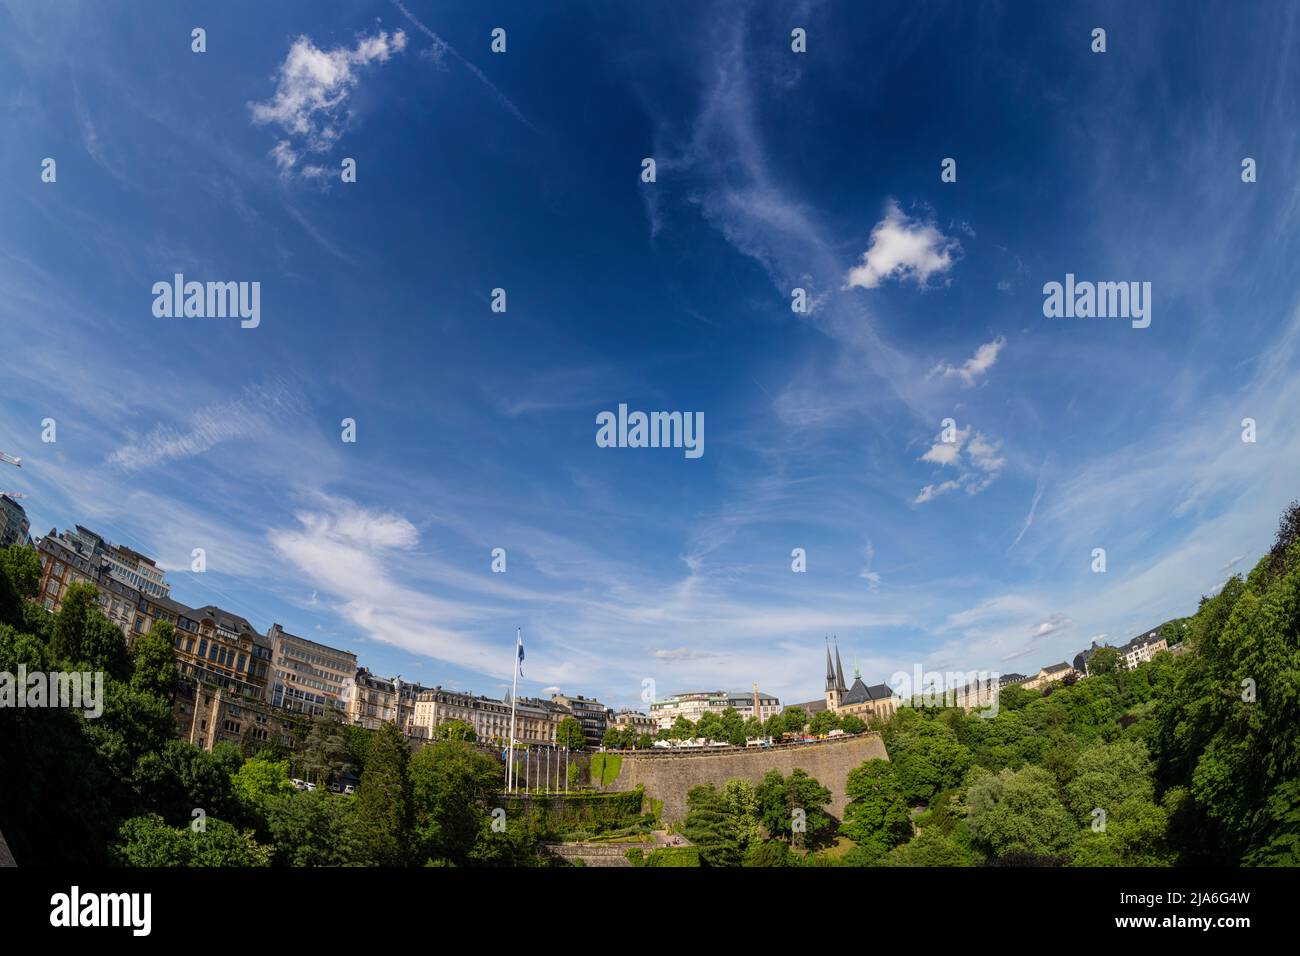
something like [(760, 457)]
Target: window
[(203, 648)]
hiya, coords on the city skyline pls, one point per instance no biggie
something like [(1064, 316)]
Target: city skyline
[(775, 171)]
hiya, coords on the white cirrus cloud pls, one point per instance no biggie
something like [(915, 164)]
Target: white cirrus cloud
[(904, 247), (970, 371), (254, 413)]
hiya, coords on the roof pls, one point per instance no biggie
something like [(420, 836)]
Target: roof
[(811, 707), (1056, 668)]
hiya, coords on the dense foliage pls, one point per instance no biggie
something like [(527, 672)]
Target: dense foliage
[(120, 788)]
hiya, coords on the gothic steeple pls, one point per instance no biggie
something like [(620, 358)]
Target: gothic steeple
[(830, 668), (839, 669)]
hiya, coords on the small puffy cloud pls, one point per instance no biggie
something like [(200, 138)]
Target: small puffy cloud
[(970, 371), (312, 88), (975, 458), (947, 452), (984, 454), (902, 248)]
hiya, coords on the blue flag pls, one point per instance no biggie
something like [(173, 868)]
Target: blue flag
[(521, 657)]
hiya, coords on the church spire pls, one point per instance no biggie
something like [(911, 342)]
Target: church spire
[(830, 668), (839, 668)]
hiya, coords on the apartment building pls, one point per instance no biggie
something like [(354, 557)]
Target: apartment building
[(694, 704), (307, 676), (14, 525), (592, 714)]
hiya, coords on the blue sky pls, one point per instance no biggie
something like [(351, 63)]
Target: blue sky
[(775, 170)]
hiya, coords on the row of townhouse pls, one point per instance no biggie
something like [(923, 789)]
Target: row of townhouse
[(237, 683)]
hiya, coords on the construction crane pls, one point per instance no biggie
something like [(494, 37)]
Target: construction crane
[(11, 460)]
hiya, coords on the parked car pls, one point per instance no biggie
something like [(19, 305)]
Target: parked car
[(300, 784)]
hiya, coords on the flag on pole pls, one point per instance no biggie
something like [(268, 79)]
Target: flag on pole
[(521, 655)]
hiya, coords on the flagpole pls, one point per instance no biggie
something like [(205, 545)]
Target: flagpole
[(514, 692)]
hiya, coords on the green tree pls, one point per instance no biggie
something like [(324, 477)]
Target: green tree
[(1105, 660), (793, 719), (313, 828), (569, 734), (852, 724), (930, 848), (1019, 812), (780, 797), (744, 815), (1107, 775), (927, 760), (768, 853), (78, 603), (452, 786), (153, 661), (682, 729), (258, 780), (823, 722), (325, 751), (708, 828), (710, 727), (20, 577), (877, 813), (383, 799), (180, 778), (1135, 834), (104, 648), (149, 841), (455, 730)]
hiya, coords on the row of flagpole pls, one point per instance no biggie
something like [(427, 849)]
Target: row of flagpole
[(510, 749), (541, 780)]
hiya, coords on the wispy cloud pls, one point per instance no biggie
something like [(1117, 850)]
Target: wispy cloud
[(974, 368), (252, 414), (441, 47)]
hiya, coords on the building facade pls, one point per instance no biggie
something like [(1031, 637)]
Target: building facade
[(14, 526), (592, 714), (1048, 675), (636, 722), (1137, 651), (307, 676), (130, 567), (694, 704), (536, 721), (66, 560), (207, 715)]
